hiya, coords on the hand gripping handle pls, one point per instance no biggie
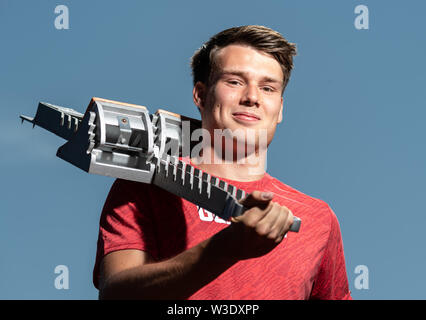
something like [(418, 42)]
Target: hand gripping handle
[(236, 209)]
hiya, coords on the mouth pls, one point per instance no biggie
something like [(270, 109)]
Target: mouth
[(246, 116)]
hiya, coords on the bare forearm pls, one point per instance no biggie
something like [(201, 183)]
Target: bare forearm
[(253, 234), (176, 278)]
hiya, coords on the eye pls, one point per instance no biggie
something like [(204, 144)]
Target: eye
[(234, 82), (268, 89)]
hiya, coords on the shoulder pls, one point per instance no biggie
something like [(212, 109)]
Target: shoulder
[(316, 214), (291, 193)]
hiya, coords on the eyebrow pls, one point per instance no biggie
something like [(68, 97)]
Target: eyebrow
[(242, 74)]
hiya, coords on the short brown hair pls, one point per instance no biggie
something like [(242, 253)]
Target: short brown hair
[(259, 37)]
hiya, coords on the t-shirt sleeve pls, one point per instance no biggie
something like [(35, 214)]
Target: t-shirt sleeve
[(125, 222), (331, 282)]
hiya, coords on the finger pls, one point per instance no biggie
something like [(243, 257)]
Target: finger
[(286, 223), (269, 225), (281, 224), (253, 215), (256, 214), (290, 219), (255, 199), (278, 230)]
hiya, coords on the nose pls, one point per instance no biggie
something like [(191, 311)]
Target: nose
[(250, 96)]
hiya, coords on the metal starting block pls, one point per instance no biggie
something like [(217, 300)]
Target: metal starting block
[(125, 141)]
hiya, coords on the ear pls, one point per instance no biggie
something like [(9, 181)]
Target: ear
[(198, 94), (280, 115)]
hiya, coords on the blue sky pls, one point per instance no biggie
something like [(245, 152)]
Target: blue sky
[(352, 133)]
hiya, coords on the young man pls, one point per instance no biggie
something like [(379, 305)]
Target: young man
[(154, 245)]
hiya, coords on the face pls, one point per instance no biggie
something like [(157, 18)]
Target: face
[(245, 92)]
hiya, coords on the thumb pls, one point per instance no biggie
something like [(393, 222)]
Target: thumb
[(257, 198)]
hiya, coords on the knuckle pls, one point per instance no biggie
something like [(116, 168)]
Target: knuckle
[(275, 205), (286, 212), (291, 220), (290, 217), (272, 208), (262, 230), (250, 218), (273, 235), (251, 223)]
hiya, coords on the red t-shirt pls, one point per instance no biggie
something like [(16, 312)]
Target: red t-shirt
[(309, 264)]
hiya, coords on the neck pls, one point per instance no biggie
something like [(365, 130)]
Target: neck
[(250, 168)]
